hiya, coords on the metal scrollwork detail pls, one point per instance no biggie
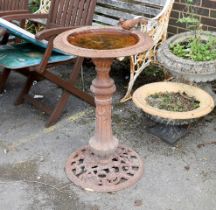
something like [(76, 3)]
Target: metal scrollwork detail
[(121, 169)]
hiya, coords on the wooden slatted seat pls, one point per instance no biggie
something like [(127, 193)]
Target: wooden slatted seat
[(108, 12), (9, 7), (63, 15)]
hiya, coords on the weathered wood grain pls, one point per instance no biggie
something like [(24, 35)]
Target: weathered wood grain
[(108, 12)]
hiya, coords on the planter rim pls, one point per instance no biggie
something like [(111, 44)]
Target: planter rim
[(206, 101), (184, 36)]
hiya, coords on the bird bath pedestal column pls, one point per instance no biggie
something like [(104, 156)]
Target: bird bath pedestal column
[(103, 165)]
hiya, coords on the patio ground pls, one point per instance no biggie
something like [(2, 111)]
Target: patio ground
[(32, 158)]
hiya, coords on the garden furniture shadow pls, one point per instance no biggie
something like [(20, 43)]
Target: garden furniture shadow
[(34, 57)]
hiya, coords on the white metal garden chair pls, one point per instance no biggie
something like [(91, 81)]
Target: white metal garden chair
[(44, 6), (156, 27), (43, 9)]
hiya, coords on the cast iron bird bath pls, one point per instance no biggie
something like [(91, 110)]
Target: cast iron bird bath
[(103, 165)]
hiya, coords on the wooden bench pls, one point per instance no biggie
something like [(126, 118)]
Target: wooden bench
[(108, 12)]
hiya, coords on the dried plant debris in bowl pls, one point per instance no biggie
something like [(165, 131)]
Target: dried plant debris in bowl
[(173, 101)]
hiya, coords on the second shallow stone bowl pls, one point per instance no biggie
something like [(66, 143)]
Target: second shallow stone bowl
[(164, 116)]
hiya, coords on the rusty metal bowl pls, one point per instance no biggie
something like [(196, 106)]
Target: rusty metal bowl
[(141, 42)]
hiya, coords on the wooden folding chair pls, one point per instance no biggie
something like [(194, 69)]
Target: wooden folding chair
[(32, 60), (11, 7)]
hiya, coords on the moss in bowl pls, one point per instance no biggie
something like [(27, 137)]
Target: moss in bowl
[(173, 101)]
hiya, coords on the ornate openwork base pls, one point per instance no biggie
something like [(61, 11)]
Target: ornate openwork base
[(119, 171)]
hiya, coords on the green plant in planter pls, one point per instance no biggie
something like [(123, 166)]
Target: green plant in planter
[(194, 48), (34, 6)]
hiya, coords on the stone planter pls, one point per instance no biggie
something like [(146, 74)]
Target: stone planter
[(169, 117), (194, 71)]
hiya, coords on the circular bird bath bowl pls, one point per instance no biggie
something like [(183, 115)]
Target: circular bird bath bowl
[(172, 119), (103, 165)]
